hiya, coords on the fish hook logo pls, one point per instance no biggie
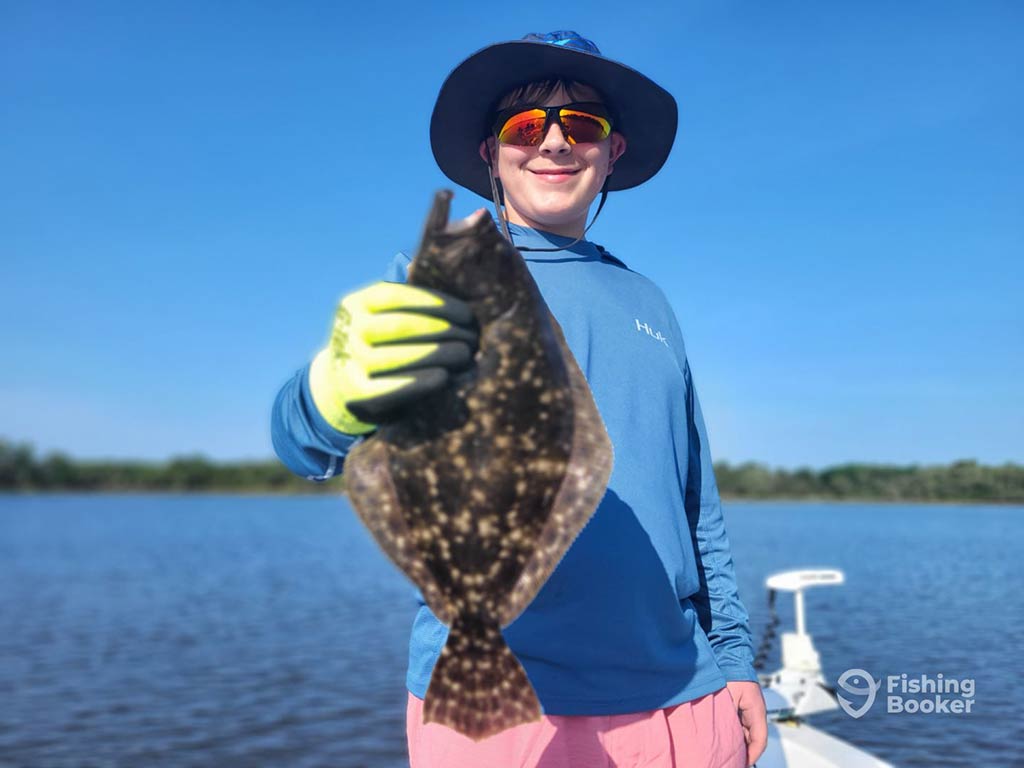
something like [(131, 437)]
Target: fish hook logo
[(849, 683)]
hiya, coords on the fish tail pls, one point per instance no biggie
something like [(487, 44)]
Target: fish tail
[(437, 218), (478, 686)]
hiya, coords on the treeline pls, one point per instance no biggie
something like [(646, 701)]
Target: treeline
[(960, 481), (22, 470)]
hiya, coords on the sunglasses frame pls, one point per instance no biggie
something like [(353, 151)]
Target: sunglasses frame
[(552, 114)]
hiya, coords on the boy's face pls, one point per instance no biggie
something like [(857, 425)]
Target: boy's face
[(551, 186)]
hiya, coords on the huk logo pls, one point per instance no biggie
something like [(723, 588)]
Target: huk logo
[(656, 335), (850, 682)]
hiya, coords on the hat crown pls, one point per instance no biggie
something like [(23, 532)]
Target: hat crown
[(565, 38)]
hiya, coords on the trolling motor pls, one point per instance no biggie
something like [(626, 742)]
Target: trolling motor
[(798, 686)]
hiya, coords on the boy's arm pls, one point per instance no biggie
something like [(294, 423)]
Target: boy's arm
[(719, 608), (302, 438)]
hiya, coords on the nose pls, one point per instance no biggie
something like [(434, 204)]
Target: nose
[(555, 142)]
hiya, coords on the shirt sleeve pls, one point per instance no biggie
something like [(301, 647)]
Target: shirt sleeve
[(302, 438), (721, 612)]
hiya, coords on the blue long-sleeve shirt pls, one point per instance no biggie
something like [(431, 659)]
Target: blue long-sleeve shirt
[(643, 611)]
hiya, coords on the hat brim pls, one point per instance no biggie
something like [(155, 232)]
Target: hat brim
[(646, 114)]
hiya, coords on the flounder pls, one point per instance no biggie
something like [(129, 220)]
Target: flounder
[(478, 492)]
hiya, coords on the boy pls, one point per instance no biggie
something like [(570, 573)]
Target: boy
[(638, 645)]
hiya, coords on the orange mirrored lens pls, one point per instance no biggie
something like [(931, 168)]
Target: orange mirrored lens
[(584, 127), (526, 129)]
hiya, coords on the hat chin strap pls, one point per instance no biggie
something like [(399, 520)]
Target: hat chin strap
[(503, 219)]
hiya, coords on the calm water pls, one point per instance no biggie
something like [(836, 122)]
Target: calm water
[(238, 631)]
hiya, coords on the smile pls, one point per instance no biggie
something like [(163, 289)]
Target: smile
[(556, 175)]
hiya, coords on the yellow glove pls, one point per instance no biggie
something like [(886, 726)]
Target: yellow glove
[(391, 344)]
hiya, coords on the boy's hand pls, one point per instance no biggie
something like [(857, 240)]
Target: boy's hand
[(391, 344), (750, 709)]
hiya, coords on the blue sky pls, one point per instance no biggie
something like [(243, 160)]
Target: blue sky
[(187, 188)]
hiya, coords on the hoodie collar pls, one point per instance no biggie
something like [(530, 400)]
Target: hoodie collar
[(584, 250)]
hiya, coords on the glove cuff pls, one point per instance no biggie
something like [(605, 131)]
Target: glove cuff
[(329, 396)]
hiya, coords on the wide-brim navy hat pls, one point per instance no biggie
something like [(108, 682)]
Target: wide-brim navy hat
[(645, 113)]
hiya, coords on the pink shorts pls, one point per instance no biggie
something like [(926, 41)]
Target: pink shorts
[(704, 733)]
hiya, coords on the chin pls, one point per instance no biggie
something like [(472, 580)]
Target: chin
[(557, 208), (552, 217), (551, 209)]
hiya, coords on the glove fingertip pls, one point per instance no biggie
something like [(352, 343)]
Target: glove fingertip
[(451, 308), (393, 405)]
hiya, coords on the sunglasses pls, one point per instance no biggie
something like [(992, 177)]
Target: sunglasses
[(581, 122)]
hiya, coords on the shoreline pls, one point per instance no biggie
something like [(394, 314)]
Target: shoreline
[(726, 500)]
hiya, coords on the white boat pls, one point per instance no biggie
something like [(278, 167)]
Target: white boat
[(798, 689)]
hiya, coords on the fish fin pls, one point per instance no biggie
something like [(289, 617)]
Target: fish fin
[(583, 486), (433, 225), (478, 687), (374, 498), (437, 217)]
